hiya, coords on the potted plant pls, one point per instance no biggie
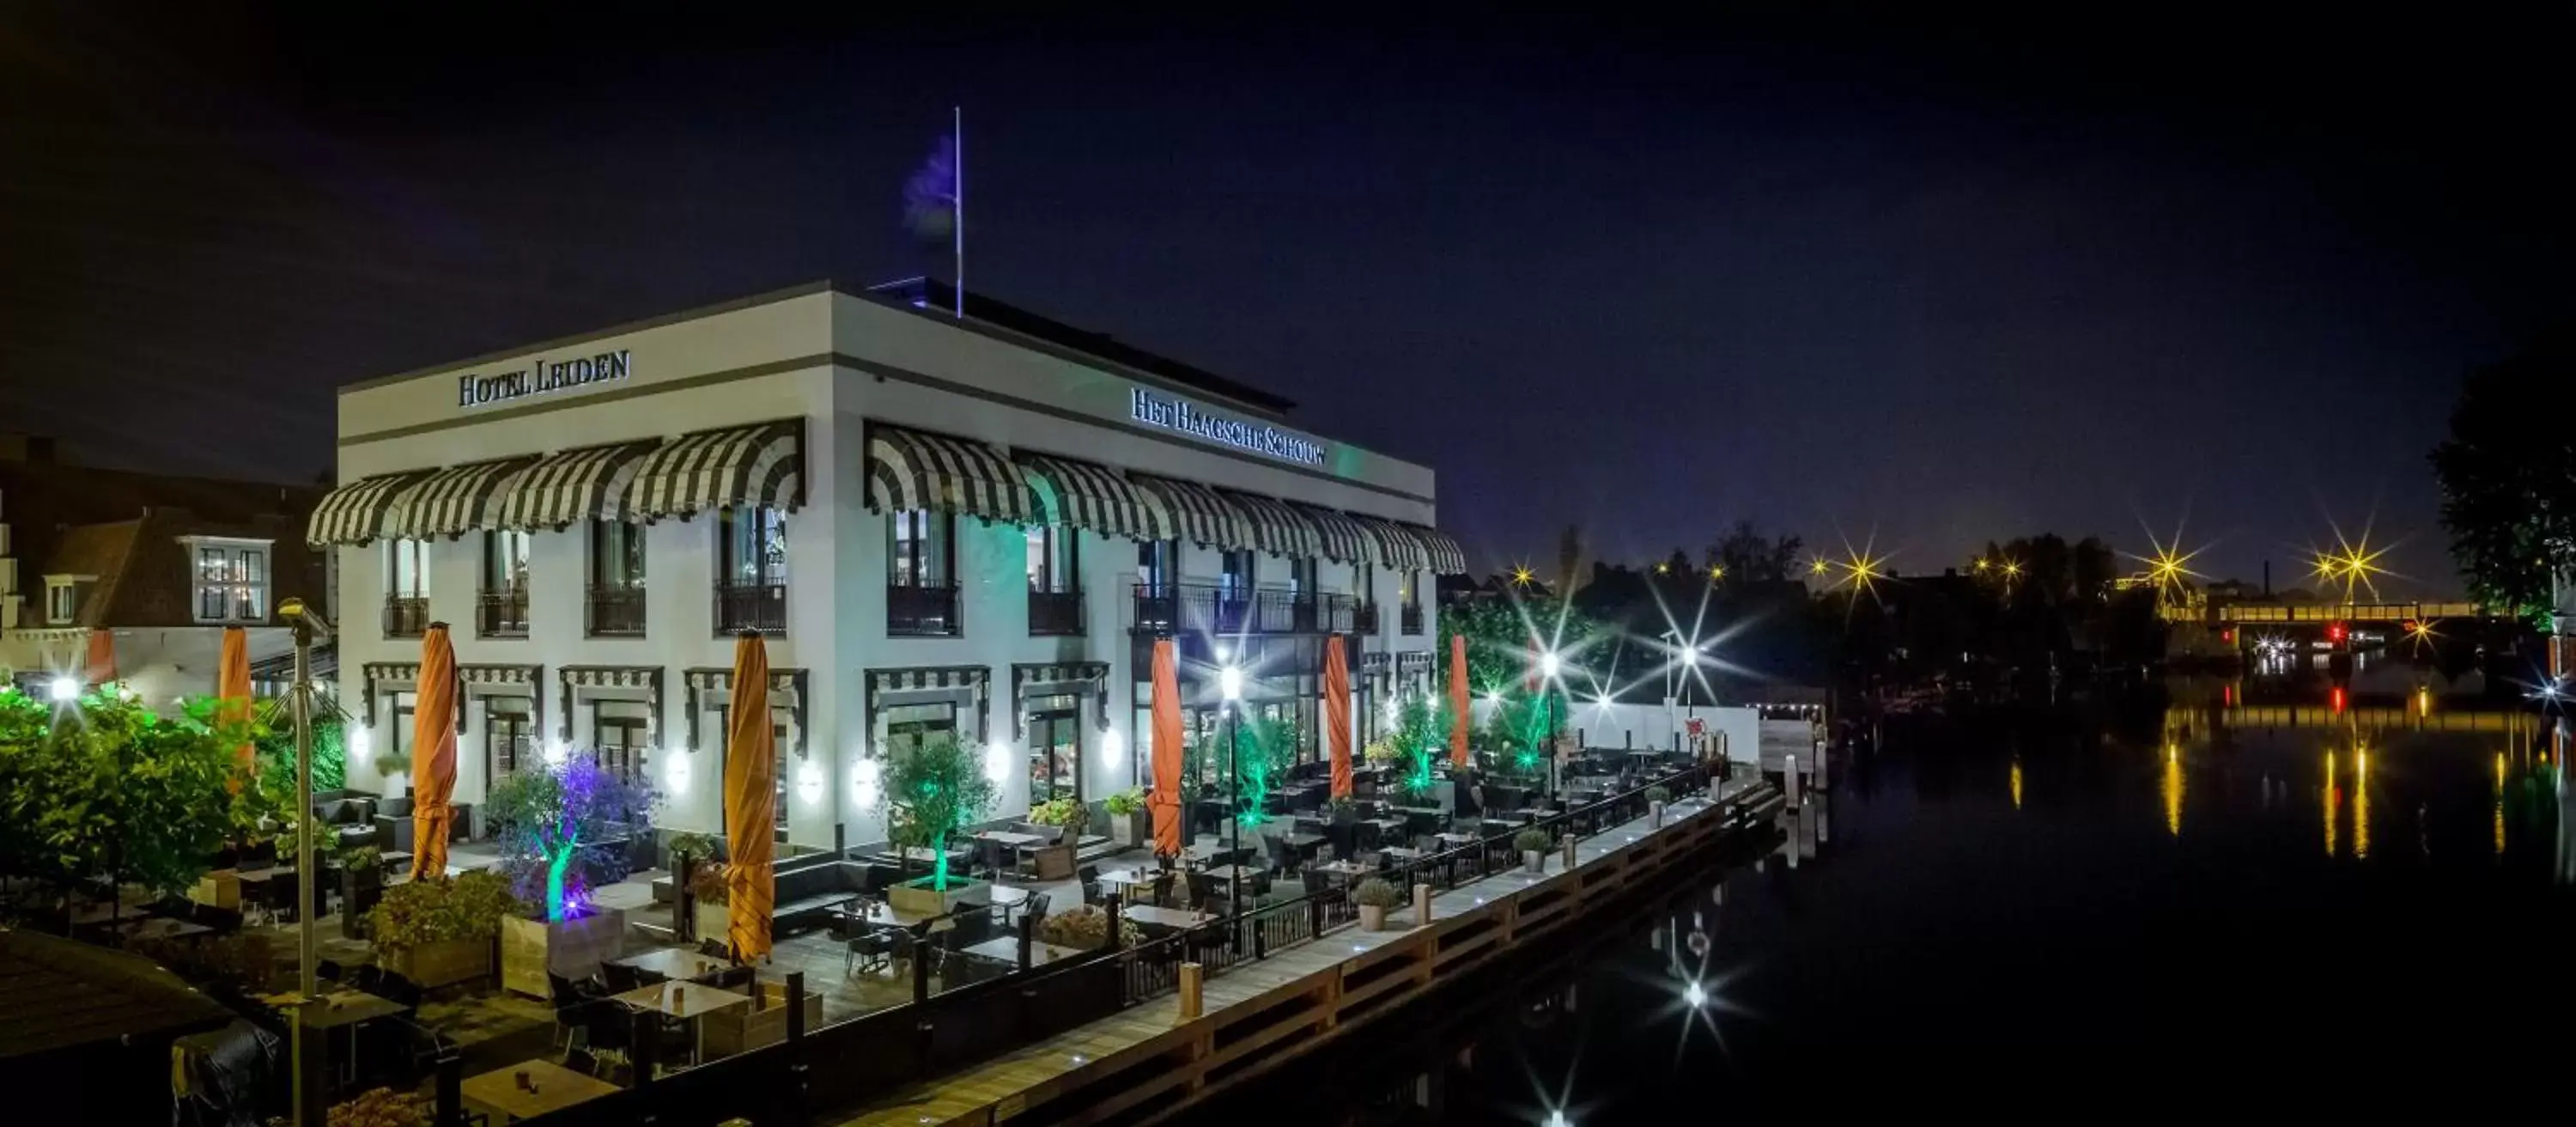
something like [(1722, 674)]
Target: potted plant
[(1067, 814), (1375, 895), (1128, 824), (560, 827), (1086, 928), (1533, 843), (395, 769), (691, 846), (934, 789), (1657, 797), (435, 932), (362, 883)]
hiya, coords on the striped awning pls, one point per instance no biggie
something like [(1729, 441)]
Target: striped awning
[(570, 486), (355, 513), (1276, 528), (1085, 495), (1341, 535), (1197, 513), (1446, 559), (911, 469), (1396, 547), (762, 464), (453, 501)]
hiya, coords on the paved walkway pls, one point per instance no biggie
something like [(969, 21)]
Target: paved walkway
[(1002, 1087)]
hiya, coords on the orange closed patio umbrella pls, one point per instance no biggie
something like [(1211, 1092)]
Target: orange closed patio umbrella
[(1166, 799), (1458, 700), (433, 754), (751, 799), (98, 667), (232, 690), (1337, 713)]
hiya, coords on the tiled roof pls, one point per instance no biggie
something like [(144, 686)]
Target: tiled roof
[(97, 550)]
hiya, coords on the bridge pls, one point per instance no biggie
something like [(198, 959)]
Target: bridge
[(2321, 614)]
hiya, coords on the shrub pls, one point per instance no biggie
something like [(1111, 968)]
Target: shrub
[(1376, 892), (1659, 793), (389, 764), (693, 846), (379, 1107), (1532, 840), (1064, 811), (1125, 803), (707, 884), (1087, 928), (468, 906)]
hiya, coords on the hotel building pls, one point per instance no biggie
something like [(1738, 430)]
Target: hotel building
[(973, 526)]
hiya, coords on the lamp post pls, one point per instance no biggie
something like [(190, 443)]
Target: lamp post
[(1548, 667), (1230, 681), (308, 625), (1690, 651)]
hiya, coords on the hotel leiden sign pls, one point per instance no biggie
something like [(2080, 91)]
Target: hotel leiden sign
[(1260, 438), (541, 378)]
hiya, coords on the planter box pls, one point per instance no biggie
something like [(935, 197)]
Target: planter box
[(711, 920), (737, 1029), (1534, 860), (218, 889), (571, 948), (1132, 831), (444, 963), (1372, 918), (917, 896)]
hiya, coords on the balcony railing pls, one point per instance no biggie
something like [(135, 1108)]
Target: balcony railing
[(501, 614), (1364, 619), (615, 612), (406, 616), (921, 612), (1215, 609), (1410, 619), (1055, 614), (751, 606)]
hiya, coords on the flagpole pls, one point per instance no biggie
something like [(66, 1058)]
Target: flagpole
[(957, 139)]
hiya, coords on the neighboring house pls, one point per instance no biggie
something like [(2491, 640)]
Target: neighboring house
[(162, 576)]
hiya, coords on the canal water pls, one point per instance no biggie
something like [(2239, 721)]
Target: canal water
[(2203, 898)]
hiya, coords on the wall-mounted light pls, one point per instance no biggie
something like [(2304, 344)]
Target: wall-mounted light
[(556, 753), (997, 762), (1112, 748), (809, 783), (359, 743), (865, 783), (676, 774)]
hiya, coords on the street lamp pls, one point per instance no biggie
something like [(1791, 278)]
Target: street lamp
[(1229, 682), (1548, 667), (309, 627)]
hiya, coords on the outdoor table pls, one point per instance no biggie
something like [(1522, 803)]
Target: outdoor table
[(345, 1009), (498, 1093), (881, 914), (1128, 877), (674, 962), (158, 927), (1243, 873), (1345, 870), (1453, 837), (687, 1001), (1175, 919), (1007, 949), (1402, 853), (923, 854)]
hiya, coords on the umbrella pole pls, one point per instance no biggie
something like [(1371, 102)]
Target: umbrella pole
[(304, 984)]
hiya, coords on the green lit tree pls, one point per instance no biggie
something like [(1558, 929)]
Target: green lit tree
[(2508, 477), (933, 789), (545, 816), (1420, 737), (104, 788), (274, 747), (1265, 748)]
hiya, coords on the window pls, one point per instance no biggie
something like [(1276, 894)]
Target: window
[(509, 734), (1155, 563), (505, 560), (1240, 572), (1409, 601), (753, 546), (62, 600), (908, 726), (407, 569), (1054, 560), (616, 555), (918, 548), (1301, 577), (231, 582), (617, 731), (1055, 748), (1364, 582)]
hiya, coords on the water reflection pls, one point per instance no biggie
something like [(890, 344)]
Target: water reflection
[(2173, 790)]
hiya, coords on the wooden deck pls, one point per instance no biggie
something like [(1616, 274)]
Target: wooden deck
[(1262, 1013)]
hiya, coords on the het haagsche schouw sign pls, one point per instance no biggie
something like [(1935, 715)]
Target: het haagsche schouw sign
[(541, 378), (1177, 414)]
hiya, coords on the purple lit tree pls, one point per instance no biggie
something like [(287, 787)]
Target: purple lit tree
[(547, 815)]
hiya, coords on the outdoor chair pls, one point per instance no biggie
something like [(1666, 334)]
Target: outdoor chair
[(572, 1012), (1315, 882), (1037, 907), (620, 978), (872, 951)]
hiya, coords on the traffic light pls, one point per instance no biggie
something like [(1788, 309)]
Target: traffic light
[(2335, 632)]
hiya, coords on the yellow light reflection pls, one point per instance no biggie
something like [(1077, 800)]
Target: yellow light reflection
[(2330, 803), (2016, 782), (2173, 790), (2423, 701), (2360, 803), (2497, 806)]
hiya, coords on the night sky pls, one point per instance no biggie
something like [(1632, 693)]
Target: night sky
[(1829, 271)]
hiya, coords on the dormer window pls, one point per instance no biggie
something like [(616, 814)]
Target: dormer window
[(62, 599), (231, 581)]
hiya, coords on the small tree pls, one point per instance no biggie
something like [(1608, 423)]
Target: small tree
[(1265, 748), (104, 788), (934, 788), (274, 747), (1420, 738), (545, 817)]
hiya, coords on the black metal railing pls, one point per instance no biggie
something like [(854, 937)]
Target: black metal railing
[(1055, 614), (1364, 618), (1217, 609), (406, 616), (615, 612), (922, 612), (501, 614), (1409, 619), (751, 606)]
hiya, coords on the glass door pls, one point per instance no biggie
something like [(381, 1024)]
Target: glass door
[(1055, 755)]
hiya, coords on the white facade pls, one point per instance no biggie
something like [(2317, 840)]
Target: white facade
[(841, 364)]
